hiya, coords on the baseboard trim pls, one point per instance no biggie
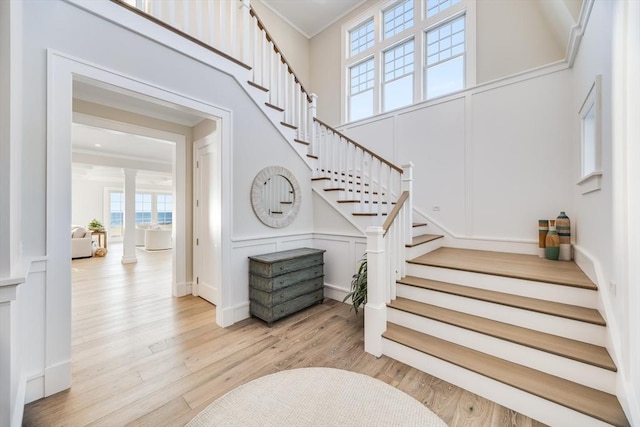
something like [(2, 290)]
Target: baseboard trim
[(182, 289), (235, 314), (57, 378), (34, 388), (335, 292)]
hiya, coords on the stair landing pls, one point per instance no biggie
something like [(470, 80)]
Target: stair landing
[(517, 266)]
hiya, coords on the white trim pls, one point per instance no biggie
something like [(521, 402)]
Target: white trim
[(577, 31), (591, 182)]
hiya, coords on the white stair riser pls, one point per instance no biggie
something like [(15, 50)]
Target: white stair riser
[(578, 372), (527, 288), (424, 248), (581, 331), (527, 404)]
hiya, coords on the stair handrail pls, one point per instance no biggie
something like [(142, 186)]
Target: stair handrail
[(233, 30)]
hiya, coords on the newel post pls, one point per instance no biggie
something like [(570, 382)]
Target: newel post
[(407, 185), (375, 311)]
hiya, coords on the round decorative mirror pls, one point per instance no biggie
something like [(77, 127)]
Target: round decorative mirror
[(275, 196)]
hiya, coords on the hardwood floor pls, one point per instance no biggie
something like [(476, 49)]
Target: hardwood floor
[(142, 357)]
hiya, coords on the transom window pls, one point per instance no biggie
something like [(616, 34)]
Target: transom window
[(361, 37), (387, 42), (398, 18), (436, 6)]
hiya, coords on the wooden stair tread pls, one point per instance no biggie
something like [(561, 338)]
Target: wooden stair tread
[(560, 346), (419, 224), (423, 238), (594, 403), (257, 86), (289, 125), (518, 266), (275, 107), (574, 312), (299, 141)]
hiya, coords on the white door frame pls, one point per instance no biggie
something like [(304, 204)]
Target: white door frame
[(61, 70)]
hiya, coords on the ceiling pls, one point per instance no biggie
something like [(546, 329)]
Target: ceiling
[(99, 146), (311, 16)]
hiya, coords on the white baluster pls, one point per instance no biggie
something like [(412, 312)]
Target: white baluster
[(246, 30), (209, 18), (234, 36), (222, 25)]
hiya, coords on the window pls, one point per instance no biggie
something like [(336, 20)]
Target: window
[(398, 76), (361, 37), (590, 139), (143, 208), (404, 51), (444, 63), (116, 213), (436, 6), (361, 77), (164, 208), (398, 18)]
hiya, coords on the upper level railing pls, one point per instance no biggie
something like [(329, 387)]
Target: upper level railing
[(233, 29)]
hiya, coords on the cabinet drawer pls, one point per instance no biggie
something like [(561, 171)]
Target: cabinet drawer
[(282, 281), (269, 314), (285, 294), (276, 263)]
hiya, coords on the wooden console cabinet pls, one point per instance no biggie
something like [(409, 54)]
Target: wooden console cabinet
[(282, 283)]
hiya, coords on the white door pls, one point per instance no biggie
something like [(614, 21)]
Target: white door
[(207, 221)]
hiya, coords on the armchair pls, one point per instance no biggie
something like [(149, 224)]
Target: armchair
[(81, 242)]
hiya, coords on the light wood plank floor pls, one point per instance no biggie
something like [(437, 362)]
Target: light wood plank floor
[(141, 357)]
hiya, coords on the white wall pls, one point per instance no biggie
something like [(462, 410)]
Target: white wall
[(514, 36), (493, 159), (603, 236), (87, 200)]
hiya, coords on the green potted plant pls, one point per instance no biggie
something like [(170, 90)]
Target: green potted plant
[(95, 225), (358, 292)]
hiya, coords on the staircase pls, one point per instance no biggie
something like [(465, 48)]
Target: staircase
[(518, 330)]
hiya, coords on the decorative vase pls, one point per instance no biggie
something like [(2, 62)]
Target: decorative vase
[(552, 242), (563, 227), (543, 228)]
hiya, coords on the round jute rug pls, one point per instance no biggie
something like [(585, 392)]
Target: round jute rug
[(316, 397)]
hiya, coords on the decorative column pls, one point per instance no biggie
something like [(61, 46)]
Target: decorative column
[(129, 226), (375, 311)]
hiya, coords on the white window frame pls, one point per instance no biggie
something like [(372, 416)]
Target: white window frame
[(418, 32), (591, 179)]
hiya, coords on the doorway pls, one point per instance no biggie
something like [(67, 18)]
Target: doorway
[(63, 72)]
